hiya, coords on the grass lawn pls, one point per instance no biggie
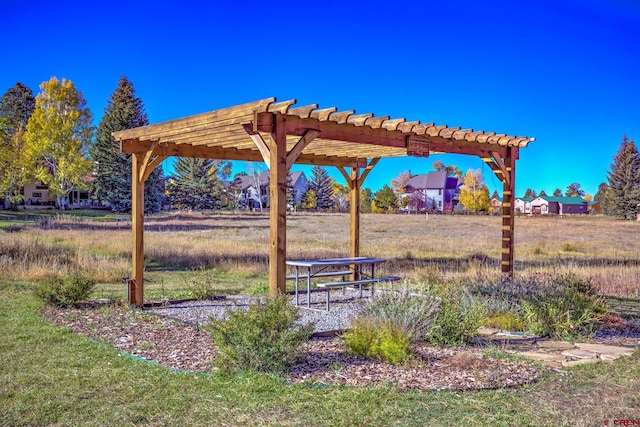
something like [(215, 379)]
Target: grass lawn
[(49, 376)]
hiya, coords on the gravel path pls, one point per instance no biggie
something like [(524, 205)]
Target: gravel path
[(342, 309)]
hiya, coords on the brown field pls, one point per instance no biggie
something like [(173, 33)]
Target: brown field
[(232, 249)]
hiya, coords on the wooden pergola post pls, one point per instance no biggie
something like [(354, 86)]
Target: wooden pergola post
[(354, 186), (136, 284), (278, 206), (508, 210)]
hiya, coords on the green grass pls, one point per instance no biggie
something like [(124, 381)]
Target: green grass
[(49, 376)]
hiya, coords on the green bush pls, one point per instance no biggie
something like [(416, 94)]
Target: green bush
[(459, 318), (200, 289), (65, 291), (411, 313), (567, 309), (263, 338), (504, 320), (372, 338), (384, 329)]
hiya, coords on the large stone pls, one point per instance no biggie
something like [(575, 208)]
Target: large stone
[(608, 350), (484, 331), (579, 354), (552, 346)]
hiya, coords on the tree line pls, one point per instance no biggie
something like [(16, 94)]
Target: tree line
[(50, 138)]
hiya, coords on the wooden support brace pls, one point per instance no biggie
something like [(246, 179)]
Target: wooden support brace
[(308, 136), (257, 139), (498, 161)]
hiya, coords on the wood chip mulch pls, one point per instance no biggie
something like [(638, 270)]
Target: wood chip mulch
[(323, 361)]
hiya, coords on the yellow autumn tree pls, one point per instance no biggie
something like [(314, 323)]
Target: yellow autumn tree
[(57, 138), (474, 195)]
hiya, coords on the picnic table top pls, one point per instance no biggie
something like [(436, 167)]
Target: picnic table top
[(326, 262)]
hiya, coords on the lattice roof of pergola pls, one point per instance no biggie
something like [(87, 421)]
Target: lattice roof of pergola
[(342, 138)]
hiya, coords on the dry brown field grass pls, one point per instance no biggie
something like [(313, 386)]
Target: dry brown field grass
[(234, 247)]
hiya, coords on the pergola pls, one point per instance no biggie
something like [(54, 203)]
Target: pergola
[(281, 134)]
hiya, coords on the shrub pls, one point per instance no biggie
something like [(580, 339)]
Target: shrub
[(263, 338), (65, 291), (372, 338), (567, 309), (459, 318), (504, 320), (200, 289), (410, 313), (384, 329)]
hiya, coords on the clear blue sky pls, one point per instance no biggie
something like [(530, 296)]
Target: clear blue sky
[(564, 72)]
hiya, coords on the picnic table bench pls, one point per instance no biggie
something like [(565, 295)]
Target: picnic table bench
[(325, 268)]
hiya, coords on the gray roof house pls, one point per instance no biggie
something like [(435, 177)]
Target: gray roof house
[(434, 191)]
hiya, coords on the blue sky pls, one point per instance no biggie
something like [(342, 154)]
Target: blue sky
[(564, 72)]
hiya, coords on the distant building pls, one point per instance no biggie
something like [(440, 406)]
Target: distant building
[(36, 195), (496, 204), (254, 190), (433, 191), (522, 205), (545, 205)]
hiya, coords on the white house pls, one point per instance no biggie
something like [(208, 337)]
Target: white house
[(253, 190), (433, 191), (522, 205)]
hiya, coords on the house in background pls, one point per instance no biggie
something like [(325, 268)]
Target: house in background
[(434, 191), (559, 205), (38, 196), (522, 205), (252, 191), (496, 204)]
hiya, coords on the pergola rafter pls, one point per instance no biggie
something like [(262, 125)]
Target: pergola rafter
[(282, 134)]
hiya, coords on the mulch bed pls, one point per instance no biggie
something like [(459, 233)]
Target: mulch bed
[(323, 361)]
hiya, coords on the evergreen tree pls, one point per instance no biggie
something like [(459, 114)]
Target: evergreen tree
[(112, 168), (530, 193), (542, 193), (384, 199), (322, 185), (557, 192), (198, 183), (624, 180), (16, 106), (574, 190), (603, 196), (366, 197)]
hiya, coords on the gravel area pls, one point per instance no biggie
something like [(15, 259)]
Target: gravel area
[(343, 308)]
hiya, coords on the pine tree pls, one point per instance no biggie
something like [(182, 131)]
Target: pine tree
[(198, 183), (366, 197), (112, 168), (624, 181), (322, 185), (574, 190), (384, 199), (16, 106)]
